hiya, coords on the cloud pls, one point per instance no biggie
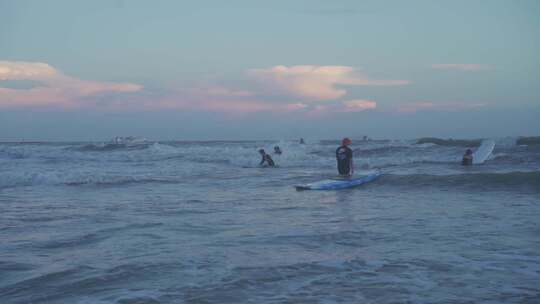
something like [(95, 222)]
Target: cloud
[(19, 70), (238, 106), (349, 106), (358, 105), (248, 106), (222, 91), (53, 87), (220, 100), (314, 83), (436, 107), (300, 89), (461, 66)]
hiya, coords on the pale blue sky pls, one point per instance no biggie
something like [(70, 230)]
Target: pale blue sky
[(154, 68)]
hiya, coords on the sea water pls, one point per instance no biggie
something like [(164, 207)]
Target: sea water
[(200, 222)]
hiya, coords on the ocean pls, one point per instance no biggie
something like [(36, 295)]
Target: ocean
[(200, 222)]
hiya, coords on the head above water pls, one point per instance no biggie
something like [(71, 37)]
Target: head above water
[(346, 141), (468, 152), (261, 151)]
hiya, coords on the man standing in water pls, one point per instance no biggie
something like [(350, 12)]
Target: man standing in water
[(467, 158), (344, 156)]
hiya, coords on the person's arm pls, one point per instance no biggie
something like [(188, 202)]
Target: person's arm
[(262, 161)]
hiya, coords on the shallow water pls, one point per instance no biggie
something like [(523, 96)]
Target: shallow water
[(198, 222)]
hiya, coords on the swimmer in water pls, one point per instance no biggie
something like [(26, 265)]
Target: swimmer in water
[(467, 158), (266, 159)]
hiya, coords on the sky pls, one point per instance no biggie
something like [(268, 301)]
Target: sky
[(203, 70)]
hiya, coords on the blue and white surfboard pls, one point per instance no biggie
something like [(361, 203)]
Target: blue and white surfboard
[(483, 152), (342, 183)]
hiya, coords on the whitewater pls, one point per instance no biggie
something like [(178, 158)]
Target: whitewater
[(200, 222)]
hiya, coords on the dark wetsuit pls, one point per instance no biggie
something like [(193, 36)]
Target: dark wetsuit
[(266, 158), (344, 157), (467, 160)]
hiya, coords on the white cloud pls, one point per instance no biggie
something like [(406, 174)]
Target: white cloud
[(20, 70), (314, 83)]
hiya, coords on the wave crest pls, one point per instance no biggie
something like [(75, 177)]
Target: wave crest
[(450, 142)]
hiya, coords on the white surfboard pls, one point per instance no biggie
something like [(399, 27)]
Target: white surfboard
[(341, 183), (483, 152)]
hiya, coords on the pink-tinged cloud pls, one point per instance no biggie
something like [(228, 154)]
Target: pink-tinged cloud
[(213, 99), (437, 107), (461, 66), (54, 87), (200, 100), (227, 92), (358, 105), (349, 106), (295, 106), (239, 106), (314, 83), (299, 84)]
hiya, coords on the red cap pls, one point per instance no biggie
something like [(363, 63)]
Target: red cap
[(346, 141)]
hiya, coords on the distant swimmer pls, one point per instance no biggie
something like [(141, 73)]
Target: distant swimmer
[(344, 157), (277, 150), (266, 159), (302, 142), (467, 158)]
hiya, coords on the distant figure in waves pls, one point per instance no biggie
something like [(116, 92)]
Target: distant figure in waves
[(302, 142), (344, 156), (277, 150), (266, 159), (467, 158)]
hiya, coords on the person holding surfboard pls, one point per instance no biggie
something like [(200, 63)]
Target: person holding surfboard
[(344, 157)]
